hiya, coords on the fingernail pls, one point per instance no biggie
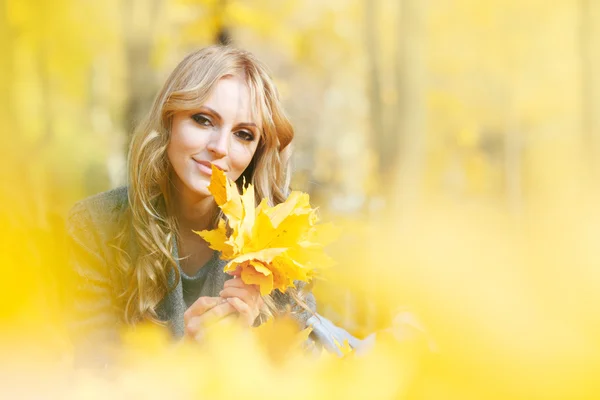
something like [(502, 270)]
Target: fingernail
[(220, 293)]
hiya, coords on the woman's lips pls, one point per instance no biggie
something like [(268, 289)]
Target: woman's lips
[(206, 167)]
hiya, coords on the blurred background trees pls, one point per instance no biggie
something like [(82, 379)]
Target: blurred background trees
[(395, 103), (403, 99)]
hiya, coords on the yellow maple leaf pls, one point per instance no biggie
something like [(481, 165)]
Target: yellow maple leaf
[(256, 273), (218, 187), (218, 239), (271, 247), (226, 195), (296, 203)]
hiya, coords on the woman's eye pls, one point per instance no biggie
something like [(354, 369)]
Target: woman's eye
[(245, 135), (201, 119)]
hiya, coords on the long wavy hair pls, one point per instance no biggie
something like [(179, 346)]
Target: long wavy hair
[(150, 229)]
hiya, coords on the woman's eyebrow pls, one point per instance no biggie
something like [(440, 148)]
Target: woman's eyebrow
[(213, 112), (218, 116), (247, 125)]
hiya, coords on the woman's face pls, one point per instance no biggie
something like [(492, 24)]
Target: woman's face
[(222, 132)]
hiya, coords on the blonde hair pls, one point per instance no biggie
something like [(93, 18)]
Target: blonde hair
[(144, 278)]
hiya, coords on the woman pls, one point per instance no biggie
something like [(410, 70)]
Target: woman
[(134, 251)]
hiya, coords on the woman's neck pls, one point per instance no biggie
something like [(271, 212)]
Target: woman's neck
[(193, 214)]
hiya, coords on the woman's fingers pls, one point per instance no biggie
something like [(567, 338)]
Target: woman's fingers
[(195, 324), (246, 295), (200, 306), (237, 288), (236, 273), (237, 282), (247, 313), (245, 298), (236, 297)]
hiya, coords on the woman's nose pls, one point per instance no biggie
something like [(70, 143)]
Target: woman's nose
[(219, 143)]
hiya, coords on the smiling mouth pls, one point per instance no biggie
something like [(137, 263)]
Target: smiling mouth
[(206, 166)]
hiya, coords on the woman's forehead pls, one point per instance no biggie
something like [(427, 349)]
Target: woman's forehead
[(235, 96)]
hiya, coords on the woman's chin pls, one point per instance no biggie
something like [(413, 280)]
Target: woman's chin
[(195, 190), (201, 191)]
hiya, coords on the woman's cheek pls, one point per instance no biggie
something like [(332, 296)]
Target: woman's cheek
[(193, 139), (241, 155)]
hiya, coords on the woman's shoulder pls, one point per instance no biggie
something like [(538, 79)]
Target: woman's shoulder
[(100, 210), (103, 204)]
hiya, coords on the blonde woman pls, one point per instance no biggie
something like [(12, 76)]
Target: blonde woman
[(133, 248)]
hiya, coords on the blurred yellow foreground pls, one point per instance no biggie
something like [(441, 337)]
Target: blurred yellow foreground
[(507, 304), (455, 144)]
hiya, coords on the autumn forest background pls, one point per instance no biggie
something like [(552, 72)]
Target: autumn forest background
[(455, 142)]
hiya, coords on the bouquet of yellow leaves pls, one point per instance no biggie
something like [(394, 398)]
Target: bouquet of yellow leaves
[(270, 246)]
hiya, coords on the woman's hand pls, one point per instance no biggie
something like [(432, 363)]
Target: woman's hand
[(236, 298), (245, 299), (206, 310)]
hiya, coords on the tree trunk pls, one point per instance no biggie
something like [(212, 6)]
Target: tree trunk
[(411, 87), (6, 76), (139, 18), (374, 86), (590, 82)]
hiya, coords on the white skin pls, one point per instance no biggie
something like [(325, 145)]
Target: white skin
[(224, 133)]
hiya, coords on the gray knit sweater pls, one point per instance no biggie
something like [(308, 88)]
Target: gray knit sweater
[(92, 227)]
